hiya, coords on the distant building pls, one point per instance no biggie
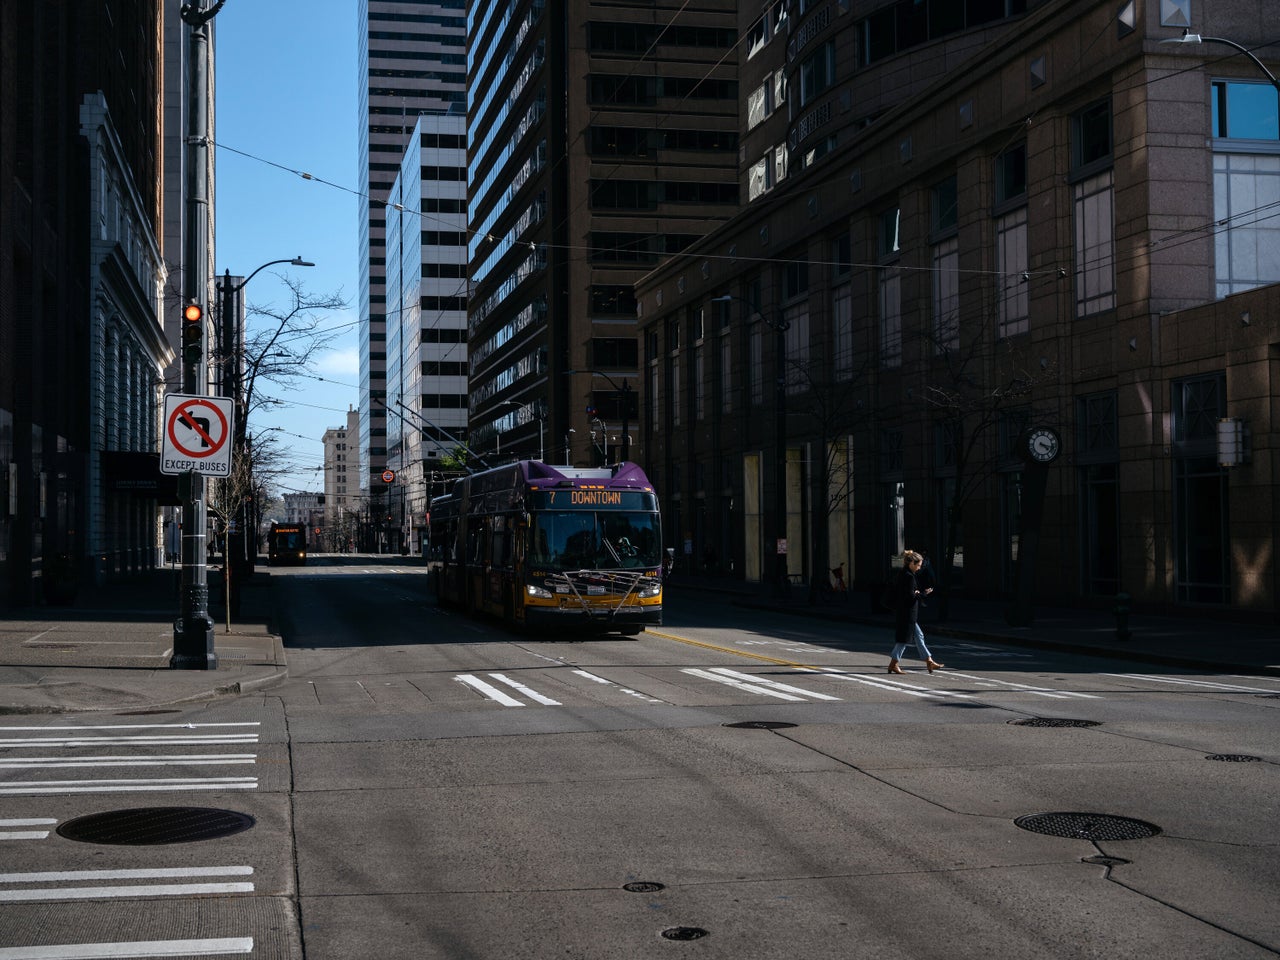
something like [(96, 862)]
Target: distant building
[(307, 509), (1005, 289), (343, 503), (412, 61), (426, 283)]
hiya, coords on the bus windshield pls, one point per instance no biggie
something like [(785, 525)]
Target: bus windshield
[(590, 540)]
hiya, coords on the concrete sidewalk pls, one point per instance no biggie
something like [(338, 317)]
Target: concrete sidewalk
[(110, 649)]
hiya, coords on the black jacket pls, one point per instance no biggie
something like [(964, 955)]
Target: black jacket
[(906, 606)]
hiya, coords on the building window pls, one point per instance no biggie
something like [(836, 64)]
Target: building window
[(1246, 185), (726, 372), (1095, 245), (1011, 258), (817, 72), (1011, 174), (1202, 568), (1093, 209), (890, 302), (1244, 110), (755, 369), (1098, 453), (946, 294), (842, 331), (796, 342)]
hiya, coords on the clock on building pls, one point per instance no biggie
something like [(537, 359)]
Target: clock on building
[(1042, 444)]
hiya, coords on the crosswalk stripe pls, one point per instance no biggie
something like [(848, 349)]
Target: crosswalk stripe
[(142, 726), (893, 686), (139, 890), (8, 833), (130, 873), (489, 690), (772, 683), (1184, 681), (177, 760), (1037, 691), (131, 949), (740, 685), (527, 691), (30, 787), (145, 741)]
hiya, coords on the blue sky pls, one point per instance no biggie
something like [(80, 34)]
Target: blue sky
[(286, 86)]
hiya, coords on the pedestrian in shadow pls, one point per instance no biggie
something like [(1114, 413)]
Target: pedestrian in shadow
[(906, 595)]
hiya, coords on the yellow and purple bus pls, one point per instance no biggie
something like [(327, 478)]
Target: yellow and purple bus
[(541, 545)]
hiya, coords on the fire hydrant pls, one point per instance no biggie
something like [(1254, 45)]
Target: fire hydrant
[(1122, 616)]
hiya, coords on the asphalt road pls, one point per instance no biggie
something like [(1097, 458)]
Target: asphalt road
[(426, 785)]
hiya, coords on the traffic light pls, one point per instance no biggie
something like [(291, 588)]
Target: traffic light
[(192, 333)]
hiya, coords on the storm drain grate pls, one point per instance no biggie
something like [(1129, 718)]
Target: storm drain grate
[(760, 725), (147, 826), (685, 933), (1234, 758), (1088, 826), (1054, 722), (643, 886)]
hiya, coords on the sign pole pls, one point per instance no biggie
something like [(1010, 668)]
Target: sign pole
[(193, 631)]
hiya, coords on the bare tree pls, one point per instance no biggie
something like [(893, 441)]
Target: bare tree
[(973, 390), (281, 346)]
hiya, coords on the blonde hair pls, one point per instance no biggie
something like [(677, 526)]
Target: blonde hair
[(910, 556)]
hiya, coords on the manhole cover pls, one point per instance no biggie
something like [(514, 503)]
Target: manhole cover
[(1088, 826), (1234, 758), (643, 887), (1054, 722), (146, 826), (760, 725), (685, 933)]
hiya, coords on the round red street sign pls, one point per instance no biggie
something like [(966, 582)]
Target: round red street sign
[(388, 476)]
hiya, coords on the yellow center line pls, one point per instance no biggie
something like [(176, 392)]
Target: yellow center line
[(731, 650)]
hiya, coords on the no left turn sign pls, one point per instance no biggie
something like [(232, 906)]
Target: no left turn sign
[(197, 435)]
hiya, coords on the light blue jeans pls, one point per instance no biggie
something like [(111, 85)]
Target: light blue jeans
[(921, 649)]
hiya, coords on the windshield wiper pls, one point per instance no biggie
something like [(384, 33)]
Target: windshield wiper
[(612, 552)]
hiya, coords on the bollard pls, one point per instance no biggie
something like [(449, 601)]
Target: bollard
[(1122, 617)]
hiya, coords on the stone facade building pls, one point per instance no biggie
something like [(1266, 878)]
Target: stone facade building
[(1004, 288)]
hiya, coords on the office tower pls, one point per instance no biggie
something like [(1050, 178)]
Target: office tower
[(412, 60), (426, 323), (601, 138)]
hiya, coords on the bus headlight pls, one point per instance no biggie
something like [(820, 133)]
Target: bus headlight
[(541, 593), (652, 590)]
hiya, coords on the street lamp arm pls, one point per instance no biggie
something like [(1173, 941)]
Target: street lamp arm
[(296, 261), (1189, 37)]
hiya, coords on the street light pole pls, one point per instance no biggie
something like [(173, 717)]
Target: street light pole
[(779, 327), (193, 630), (231, 338), (625, 390)]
